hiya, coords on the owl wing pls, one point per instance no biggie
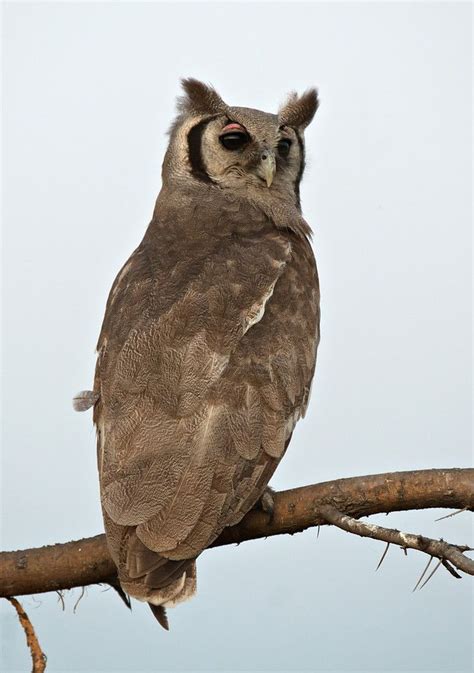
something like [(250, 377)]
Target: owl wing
[(188, 432)]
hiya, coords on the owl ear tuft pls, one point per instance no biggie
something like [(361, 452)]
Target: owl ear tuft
[(298, 111), (200, 98)]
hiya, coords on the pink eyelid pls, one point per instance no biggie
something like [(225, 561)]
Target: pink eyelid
[(233, 127)]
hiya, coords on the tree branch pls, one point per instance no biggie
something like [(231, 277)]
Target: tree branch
[(38, 658), (437, 548), (63, 566)]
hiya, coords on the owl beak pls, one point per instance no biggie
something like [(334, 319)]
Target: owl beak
[(267, 167)]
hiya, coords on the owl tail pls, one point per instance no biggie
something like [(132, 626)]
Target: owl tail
[(156, 580), (187, 584), (159, 592)]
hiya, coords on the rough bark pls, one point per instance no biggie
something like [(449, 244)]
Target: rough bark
[(82, 562)]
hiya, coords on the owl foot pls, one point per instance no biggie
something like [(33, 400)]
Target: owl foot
[(267, 502)]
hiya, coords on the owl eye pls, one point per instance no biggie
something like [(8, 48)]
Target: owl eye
[(234, 140), (284, 147)]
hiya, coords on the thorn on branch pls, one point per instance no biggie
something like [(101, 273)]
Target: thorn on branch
[(38, 657), (382, 557), (445, 552), (431, 574), (423, 573), (448, 516)]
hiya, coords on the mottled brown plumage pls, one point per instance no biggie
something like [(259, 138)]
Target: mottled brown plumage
[(208, 344)]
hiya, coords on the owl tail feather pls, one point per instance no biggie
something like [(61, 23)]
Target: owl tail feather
[(164, 587), (115, 584), (146, 575), (160, 613)]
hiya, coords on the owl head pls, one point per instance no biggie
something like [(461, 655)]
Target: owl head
[(237, 148)]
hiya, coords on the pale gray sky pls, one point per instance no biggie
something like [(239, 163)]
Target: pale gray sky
[(89, 92)]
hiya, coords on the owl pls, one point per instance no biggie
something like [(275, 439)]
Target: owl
[(208, 344)]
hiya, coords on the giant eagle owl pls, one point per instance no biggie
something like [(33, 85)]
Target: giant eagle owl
[(208, 344)]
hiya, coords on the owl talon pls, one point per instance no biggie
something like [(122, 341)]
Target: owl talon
[(267, 502)]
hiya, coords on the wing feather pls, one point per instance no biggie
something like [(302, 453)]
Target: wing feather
[(198, 394)]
